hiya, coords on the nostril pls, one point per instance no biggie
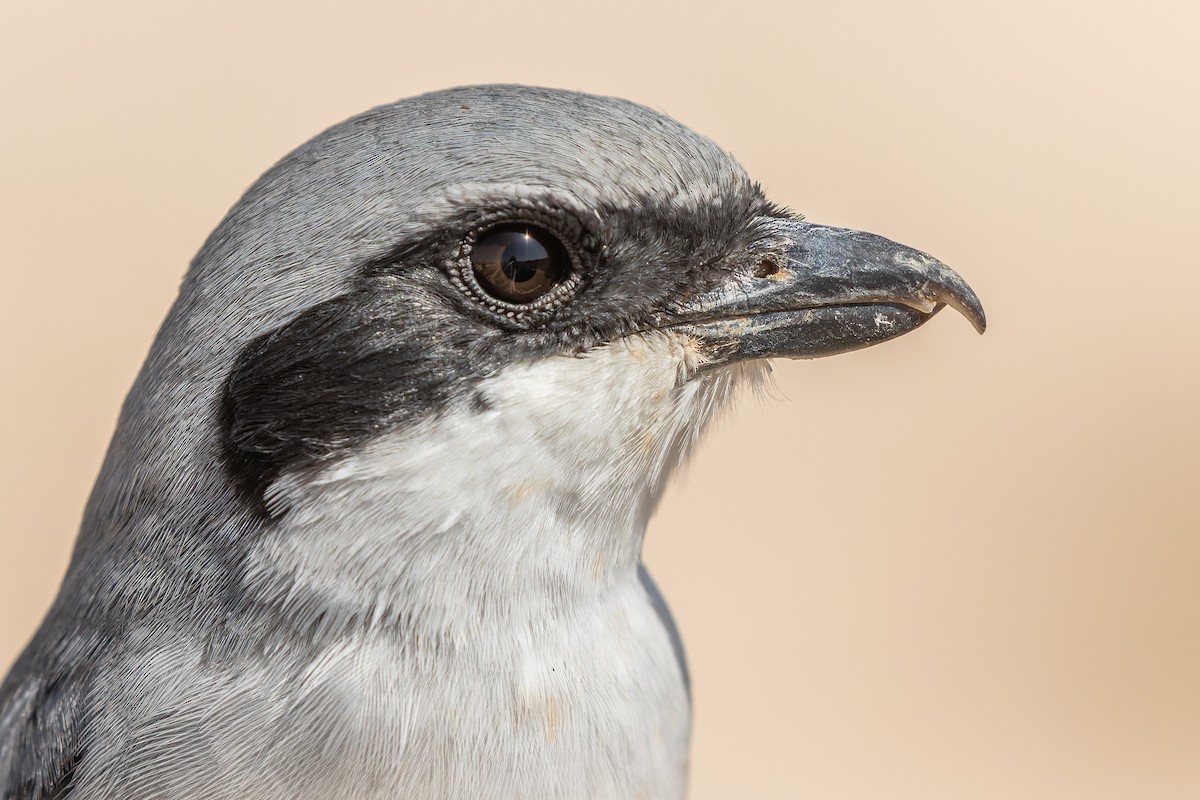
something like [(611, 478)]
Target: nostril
[(766, 268)]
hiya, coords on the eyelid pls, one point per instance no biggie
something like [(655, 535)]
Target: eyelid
[(514, 201), (580, 245)]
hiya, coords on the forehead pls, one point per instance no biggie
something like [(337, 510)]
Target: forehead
[(601, 150)]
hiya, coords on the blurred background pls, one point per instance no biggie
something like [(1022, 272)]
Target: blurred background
[(947, 567)]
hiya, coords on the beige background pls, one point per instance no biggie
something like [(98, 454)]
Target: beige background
[(947, 567)]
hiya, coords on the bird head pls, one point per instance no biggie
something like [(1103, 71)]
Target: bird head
[(491, 317)]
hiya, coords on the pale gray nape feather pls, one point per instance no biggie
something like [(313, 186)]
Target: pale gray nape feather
[(367, 530)]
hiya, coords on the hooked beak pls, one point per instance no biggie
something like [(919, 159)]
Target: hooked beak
[(824, 291)]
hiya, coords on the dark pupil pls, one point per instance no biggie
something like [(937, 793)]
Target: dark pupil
[(518, 263)]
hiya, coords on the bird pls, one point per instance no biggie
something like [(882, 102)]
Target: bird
[(371, 521)]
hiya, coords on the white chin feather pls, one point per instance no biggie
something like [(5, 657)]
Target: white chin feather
[(567, 457)]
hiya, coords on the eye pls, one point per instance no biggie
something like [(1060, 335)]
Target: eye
[(519, 263)]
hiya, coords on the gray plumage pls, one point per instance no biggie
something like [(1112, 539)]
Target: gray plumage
[(363, 532)]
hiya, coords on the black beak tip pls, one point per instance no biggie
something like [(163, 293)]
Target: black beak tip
[(970, 307)]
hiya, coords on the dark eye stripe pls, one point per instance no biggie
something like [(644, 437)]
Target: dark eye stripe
[(519, 263)]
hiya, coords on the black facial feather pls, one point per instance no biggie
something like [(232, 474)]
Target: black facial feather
[(344, 370), (405, 342)]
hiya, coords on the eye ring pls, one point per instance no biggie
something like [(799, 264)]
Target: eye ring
[(566, 274)]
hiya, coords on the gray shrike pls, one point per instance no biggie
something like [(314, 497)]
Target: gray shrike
[(370, 525)]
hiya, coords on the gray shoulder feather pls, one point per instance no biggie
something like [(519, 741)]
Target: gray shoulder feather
[(40, 732)]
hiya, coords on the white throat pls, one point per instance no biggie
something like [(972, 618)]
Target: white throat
[(546, 486)]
